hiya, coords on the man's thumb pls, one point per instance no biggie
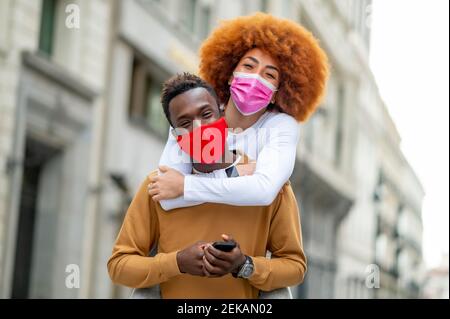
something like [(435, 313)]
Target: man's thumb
[(227, 237)]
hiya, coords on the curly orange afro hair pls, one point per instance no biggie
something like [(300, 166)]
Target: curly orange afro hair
[(303, 64)]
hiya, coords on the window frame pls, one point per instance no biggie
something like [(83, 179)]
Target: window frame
[(5, 7), (143, 75), (46, 44)]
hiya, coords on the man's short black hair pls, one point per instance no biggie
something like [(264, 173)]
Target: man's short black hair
[(179, 84)]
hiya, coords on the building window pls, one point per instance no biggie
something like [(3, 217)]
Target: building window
[(48, 19), (4, 24), (309, 136), (145, 105), (204, 21), (339, 125), (381, 249), (189, 8), (196, 18)]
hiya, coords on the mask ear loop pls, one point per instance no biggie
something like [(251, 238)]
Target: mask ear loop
[(222, 107), (176, 132), (273, 98)]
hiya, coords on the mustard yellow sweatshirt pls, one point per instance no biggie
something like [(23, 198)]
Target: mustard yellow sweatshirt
[(257, 229)]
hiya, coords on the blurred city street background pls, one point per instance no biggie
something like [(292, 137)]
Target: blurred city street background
[(81, 125)]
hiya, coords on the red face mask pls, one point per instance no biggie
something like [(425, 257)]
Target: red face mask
[(205, 144)]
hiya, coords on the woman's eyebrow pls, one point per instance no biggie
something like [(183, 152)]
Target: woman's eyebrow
[(253, 59), (267, 66), (273, 68)]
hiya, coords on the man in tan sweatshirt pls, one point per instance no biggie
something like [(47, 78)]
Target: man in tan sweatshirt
[(186, 264)]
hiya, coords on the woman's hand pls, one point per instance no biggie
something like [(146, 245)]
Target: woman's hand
[(166, 186), (246, 169)]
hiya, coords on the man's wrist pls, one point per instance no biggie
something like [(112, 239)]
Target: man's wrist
[(179, 262), (241, 263), (246, 269)]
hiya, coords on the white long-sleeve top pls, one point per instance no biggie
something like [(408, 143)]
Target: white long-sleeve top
[(271, 141)]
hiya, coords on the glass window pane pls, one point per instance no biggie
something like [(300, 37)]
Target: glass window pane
[(264, 5), (47, 26), (4, 23), (189, 14), (155, 114), (205, 22)]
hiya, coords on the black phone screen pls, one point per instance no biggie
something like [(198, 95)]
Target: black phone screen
[(226, 246)]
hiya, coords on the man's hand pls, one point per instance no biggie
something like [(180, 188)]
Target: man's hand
[(219, 263), (190, 259), (166, 186)]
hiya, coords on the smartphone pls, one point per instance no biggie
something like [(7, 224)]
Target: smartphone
[(225, 246)]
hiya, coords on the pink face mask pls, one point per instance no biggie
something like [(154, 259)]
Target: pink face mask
[(250, 92)]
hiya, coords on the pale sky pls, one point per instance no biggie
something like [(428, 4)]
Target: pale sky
[(410, 60)]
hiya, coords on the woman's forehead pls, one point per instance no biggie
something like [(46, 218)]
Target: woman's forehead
[(261, 57), (260, 54)]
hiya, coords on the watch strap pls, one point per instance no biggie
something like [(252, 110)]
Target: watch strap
[(248, 263), (232, 171)]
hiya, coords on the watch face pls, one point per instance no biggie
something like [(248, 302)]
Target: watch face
[(247, 272), (247, 269)]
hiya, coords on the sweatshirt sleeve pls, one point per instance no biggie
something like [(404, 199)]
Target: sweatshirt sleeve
[(287, 266), (129, 264), (274, 166)]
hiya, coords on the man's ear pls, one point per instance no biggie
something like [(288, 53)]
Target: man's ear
[(178, 131), (173, 132)]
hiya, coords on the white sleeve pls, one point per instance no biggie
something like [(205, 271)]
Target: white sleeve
[(274, 166), (179, 202), (173, 157)]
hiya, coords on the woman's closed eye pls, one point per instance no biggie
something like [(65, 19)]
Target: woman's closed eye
[(271, 76)]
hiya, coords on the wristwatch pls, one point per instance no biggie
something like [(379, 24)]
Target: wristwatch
[(232, 171), (246, 269)]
